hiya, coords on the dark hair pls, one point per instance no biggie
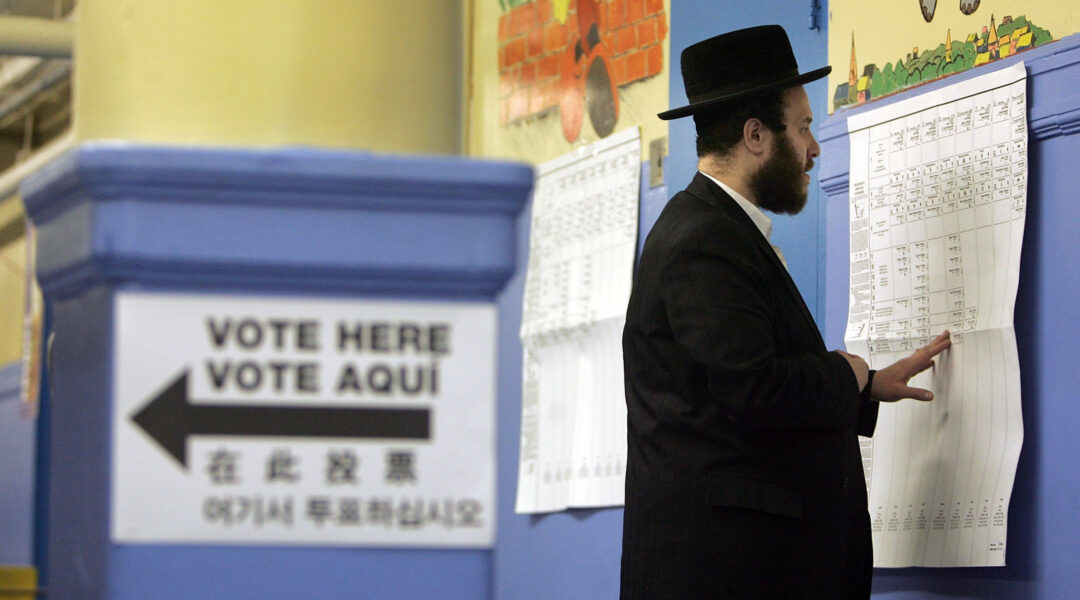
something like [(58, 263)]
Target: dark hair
[(719, 129)]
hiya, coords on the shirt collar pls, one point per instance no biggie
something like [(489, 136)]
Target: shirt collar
[(760, 219)]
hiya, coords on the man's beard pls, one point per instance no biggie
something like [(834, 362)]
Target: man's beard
[(778, 185)]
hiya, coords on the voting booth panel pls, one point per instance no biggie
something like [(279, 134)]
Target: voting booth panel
[(272, 370)]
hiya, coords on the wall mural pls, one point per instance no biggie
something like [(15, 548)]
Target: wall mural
[(926, 41), (575, 62)]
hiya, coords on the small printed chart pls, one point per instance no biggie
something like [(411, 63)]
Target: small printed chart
[(938, 200), (581, 261), (269, 420)]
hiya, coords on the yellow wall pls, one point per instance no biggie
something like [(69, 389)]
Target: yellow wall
[(12, 285), (384, 76)]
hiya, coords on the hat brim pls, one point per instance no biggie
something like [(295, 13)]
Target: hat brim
[(685, 111)]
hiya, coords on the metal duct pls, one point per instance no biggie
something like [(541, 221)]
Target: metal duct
[(32, 36)]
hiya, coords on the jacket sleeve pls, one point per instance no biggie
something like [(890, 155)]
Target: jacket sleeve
[(716, 294), (868, 409)]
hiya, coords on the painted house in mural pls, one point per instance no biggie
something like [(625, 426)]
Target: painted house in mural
[(864, 92)]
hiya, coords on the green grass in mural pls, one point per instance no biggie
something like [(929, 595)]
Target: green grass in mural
[(951, 56)]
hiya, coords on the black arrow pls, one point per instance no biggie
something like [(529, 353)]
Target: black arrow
[(170, 418)]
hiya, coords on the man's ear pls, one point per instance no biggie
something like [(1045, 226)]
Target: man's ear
[(756, 137)]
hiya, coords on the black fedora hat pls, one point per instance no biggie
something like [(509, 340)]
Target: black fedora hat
[(738, 65)]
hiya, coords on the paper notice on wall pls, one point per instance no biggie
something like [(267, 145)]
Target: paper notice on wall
[(32, 331), (937, 207), (248, 419), (581, 259)]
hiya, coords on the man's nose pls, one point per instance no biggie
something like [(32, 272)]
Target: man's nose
[(814, 150)]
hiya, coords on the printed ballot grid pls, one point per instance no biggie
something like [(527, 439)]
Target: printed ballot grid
[(937, 209), (581, 258)]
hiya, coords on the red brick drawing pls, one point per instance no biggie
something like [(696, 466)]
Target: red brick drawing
[(576, 60)]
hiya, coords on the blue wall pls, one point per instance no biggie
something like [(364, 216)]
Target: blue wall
[(17, 438), (575, 554)]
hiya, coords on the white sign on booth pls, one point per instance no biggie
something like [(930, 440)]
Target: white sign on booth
[(268, 420)]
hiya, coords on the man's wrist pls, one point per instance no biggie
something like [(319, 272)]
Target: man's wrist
[(867, 391)]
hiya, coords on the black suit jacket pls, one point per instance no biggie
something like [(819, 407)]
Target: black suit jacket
[(744, 477)]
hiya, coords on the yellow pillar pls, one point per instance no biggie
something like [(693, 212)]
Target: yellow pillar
[(18, 582), (374, 75)]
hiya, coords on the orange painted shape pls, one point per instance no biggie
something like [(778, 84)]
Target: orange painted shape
[(618, 67), (635, 10), (646, 32), (588, 15), (548, 67), (654, 6), (661, 26), (522, 19), (625, 40), (536, 42), (528, 74), (544, 11), (636, 66), (616, 14), (571, 95), (656, 59), (515, 52), (572, 111), (554, 37), (504, 27)]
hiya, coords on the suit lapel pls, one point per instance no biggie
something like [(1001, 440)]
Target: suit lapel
[(704, 189)]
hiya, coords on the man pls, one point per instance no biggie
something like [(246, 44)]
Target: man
[(744, 476)]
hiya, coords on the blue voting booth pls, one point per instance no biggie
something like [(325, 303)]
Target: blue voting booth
[(114, 218)]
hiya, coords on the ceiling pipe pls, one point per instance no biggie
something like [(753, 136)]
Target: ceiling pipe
[(53, 74), (31, 36), (12, 178)]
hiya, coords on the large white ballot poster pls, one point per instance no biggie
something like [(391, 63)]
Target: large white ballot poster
[(581, 260), (937, 207)]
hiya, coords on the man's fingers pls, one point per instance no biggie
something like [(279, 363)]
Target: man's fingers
[(938, 344), (917, 394), (925, 367), (923, 358)]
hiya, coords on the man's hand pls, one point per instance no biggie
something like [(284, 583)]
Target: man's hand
[(890, 383), (859, 366)]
